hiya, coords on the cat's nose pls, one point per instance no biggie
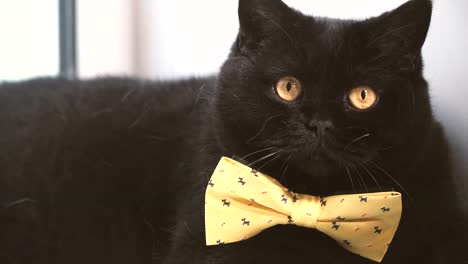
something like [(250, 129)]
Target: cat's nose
[(319, 127)]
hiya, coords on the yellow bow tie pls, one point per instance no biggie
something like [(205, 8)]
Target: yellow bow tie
[(241, 202)]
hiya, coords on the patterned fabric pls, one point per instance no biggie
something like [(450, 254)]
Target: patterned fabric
[(241, 202)]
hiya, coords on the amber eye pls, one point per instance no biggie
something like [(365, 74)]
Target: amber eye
[(362, 97), (288, 88)]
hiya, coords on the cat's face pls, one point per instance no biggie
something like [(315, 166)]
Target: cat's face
[(329, 97)]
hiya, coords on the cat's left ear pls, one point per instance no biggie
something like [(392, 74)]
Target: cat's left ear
[(403, 29), (262, 19)]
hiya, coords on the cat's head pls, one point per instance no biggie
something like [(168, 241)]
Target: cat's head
[(330, 97)]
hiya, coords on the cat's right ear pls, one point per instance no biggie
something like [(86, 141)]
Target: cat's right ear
[(403, 29), (260, 20)]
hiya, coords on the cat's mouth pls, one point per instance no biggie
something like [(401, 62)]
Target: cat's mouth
[(325, 160), (316, 164), (324, 172), (318, 173), (315, 168)]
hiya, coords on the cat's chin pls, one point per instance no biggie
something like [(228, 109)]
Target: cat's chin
[(316, 166), (318, 175)]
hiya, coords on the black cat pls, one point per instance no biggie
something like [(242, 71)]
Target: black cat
[(115, 170)]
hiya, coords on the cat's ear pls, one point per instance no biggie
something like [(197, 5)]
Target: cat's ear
[(403, 29), (261, 19)]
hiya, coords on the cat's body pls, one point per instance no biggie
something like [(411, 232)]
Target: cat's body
[(115, 170), (78, 164)]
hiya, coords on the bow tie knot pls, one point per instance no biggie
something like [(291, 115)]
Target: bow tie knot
[(305, 210)]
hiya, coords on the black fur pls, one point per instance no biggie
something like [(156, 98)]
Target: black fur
[(115, 170)]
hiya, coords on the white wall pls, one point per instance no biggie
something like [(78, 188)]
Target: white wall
[(183, 37), (446, 58), (105, 36), (28, 38)]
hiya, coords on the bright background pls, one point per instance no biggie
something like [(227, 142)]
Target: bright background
[(177, 38), (28, 38)]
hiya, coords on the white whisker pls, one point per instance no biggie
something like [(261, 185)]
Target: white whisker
[(393, 179), (370, 174), (356, 140), (262, 128)]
